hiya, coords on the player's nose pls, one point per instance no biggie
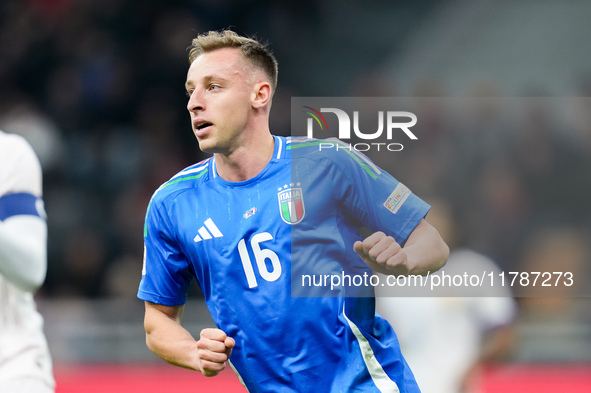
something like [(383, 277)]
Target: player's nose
[(195, 102)]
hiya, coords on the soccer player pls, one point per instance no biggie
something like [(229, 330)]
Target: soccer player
[(25, 362), (247, 221)]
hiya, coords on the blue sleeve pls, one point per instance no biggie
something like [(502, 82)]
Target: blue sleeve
[(20, 203), (375, 198), (166, 274)]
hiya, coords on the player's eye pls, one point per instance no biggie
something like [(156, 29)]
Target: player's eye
[(189, 93), (213, 87)]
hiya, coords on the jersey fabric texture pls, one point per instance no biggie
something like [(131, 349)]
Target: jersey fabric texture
[(248, 244), (24, 354)]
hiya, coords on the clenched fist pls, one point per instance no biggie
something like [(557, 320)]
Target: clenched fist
[(383, 253), (214, 349)]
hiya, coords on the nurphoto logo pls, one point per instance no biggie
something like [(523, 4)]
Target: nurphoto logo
[(395, 123)]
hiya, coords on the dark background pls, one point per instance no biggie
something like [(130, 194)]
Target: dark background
[(97, 87)]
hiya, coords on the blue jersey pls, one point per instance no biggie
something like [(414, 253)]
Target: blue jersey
[(249, 243)]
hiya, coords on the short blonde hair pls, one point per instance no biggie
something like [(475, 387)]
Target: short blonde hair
[(255, 52)]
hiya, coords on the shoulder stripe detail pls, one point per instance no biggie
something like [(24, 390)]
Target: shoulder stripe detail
[(382, 381), (194, 170), (300, 139), (203, 171), (369, 167), (171, 182)]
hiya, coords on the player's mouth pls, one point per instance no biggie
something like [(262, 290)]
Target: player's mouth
[(200, 126)]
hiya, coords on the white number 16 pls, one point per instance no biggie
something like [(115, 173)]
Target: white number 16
[(260, 255)]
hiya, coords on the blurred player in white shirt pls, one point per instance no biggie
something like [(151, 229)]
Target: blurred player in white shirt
[(446, 340), (25, 362)]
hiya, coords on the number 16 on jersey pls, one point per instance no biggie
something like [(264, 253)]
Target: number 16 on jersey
[(260, 255)]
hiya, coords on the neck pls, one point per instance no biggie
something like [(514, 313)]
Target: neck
[(247, 161)]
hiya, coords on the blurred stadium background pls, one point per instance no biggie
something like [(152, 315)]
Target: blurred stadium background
[(97, 88)]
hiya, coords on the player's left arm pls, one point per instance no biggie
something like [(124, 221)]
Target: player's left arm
[(424, 251)]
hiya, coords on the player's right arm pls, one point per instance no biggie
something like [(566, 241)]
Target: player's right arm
[(168, 339), (23, 230), (23, 251)]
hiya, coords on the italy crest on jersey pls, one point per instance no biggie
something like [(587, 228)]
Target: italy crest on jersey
[(291, 204)]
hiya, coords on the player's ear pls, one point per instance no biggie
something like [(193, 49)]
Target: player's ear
[(261, 94)]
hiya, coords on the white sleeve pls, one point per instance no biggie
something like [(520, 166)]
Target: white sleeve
[(490, 312), (23, 231), (23, 251)]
